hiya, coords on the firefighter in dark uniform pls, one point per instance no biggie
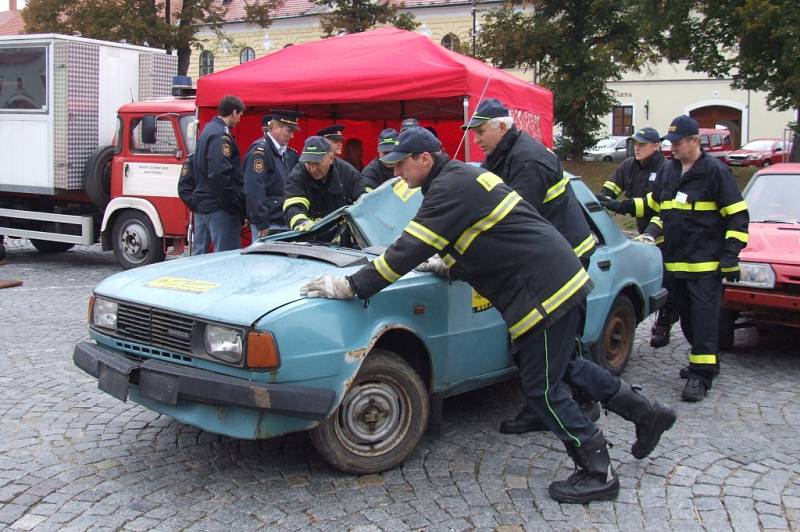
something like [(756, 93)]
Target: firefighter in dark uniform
[(376, 173), (266, 169), (487, 235), (319, 185), (634, 177), (219, 194), (335, 135), (528, 167), (704, 221)]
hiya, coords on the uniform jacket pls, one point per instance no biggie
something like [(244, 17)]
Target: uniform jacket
[(635, 179), (702, 216), (535, 172), (375, 174), (265, 174), (186, 183), (218, 178), (493, 239), (309, 199)]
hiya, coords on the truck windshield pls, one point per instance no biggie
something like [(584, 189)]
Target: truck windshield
[(189, 131)]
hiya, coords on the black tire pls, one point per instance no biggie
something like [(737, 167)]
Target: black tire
[(608, 159), (97, 176), (727, 319), (393, 399), (614, 347), (135, 241), (767, 162), (47, 246)]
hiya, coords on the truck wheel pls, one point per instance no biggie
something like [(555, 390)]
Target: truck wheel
[(613, 349), (727, 319), (98, 176), (380, 420), (47, 246), (135, 241)]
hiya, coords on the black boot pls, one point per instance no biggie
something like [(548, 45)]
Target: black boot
[(652, 419), (594, 478), (526, 419), (659, 334)]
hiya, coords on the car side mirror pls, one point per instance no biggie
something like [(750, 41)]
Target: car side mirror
[(149, 129)]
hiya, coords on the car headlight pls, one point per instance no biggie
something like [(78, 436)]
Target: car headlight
[(224, 343), (104, 314), (756, 275), (754, 156)]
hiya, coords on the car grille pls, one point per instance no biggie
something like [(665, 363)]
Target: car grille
[(737, 157), (155, 328)]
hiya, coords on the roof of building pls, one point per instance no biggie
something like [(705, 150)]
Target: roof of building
[(11, 23), (296, 8)]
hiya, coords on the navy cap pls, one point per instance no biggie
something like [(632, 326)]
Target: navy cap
[(287, 117), (407, 123), (682, 126), (387, 140), (333, 132), (487, 109), (646, 135), (265, 120), (315, 149), (413, 140)]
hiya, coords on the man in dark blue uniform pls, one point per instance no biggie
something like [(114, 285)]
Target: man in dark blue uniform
[(483, 232), (266, 168), (219, 193), (334, 134), (376, 172)]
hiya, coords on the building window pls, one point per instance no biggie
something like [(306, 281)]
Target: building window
[(622, 121), (451, 42), (206, 63), (248, 54)]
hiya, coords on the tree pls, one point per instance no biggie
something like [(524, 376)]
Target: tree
[(143, 22), (355, 16), (575, 47)]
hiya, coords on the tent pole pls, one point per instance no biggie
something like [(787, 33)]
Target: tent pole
[(466, 131)]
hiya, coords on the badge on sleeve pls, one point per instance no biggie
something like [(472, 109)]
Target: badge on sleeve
[(258, 165), (226, 150), (184, 170)]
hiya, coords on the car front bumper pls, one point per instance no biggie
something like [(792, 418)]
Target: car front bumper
[(764, 305), (173, 384)]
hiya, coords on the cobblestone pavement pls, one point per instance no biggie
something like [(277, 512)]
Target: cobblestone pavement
[(74, 458)]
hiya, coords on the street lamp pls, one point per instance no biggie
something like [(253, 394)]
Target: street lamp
[(474, 24)]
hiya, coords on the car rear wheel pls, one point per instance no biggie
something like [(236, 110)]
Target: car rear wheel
[(613, 349), (135, 240), (727, 320), (766, 163), (381, 419)]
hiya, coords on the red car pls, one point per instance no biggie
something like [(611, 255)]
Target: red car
[(715, 142), (768, 293), (759, 152)]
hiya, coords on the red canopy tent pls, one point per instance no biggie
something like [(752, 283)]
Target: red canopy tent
[(372, 80)]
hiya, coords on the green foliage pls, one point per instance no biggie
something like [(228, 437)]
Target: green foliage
[(355, 16), (139, 22), (574, 46)]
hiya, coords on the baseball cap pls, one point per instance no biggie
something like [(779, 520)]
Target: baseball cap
[(333, 132), (487, 109), (387, 140), (682, 126), (287, 117), (413, 140), (646, 135), (407, 123), (314, 149)]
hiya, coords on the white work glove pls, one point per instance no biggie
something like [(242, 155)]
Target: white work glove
[(644, 238), (435, 265), (328, 286), (305, 226)]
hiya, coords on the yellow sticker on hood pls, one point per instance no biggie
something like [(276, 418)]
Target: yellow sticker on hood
[(181, 285), (400, 188)]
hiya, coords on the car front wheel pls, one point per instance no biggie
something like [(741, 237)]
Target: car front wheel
[(381, 419), (613, 349)]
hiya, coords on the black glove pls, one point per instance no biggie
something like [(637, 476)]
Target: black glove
[(729, 269), (621, 207)]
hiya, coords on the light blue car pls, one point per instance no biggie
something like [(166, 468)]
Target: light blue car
[(225, 342)]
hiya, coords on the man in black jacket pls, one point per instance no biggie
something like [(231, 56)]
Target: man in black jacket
[(528, 167), (484, 233), (634, 177), (219, 194), (319, 185), (266, 169), (696, 204), (376, 172)]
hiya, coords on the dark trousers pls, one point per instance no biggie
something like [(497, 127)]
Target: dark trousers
[(224, 228), (697, 302), (667, 314), (548, 360)]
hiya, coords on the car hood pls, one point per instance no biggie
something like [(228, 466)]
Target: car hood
[(750, 152), (235, 287), (772, 243)]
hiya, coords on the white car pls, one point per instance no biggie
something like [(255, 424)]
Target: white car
[(607, 150)]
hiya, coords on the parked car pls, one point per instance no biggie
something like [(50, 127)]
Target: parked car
[(768, 293), (759, 152), (716, 142), (607, 150), (226, 343)]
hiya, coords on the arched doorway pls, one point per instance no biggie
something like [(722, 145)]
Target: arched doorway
[(730, 117)]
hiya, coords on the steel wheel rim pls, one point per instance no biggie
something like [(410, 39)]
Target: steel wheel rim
[(134, 241), (373, 418), (617, 342)]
